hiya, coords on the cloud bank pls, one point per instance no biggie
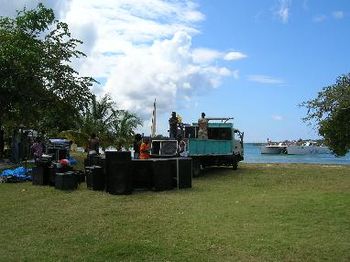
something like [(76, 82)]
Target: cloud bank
[(140, 50)]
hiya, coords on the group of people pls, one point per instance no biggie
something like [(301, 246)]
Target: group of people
[(175, 123)]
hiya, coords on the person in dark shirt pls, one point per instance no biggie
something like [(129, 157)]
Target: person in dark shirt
[(37, 148), (173, 123), (93, 145), (136, 145)]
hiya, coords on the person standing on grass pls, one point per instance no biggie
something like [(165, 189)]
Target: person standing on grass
[(37, 148), (93, 145), (136, 146), (145, 149)]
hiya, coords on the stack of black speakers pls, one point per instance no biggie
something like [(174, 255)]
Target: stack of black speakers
[(95, 178), (162, 173), (118, 173), (50, 173), (66, 181), (40, 173), (182, 172)]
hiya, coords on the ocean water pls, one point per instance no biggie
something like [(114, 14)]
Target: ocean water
[(252, 155)]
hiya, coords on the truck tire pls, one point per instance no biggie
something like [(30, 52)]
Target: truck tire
[(235, 165)]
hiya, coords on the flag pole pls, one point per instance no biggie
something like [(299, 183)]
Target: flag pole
[(154, 119)]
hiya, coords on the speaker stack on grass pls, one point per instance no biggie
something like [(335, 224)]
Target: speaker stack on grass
[(48, 172), (118, 174)]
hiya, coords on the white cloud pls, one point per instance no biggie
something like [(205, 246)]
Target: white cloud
[(142, 49), (234, 56), (264, 79), (277, 117), (205, 55), (283, 10), (338, 14), (319, 18)]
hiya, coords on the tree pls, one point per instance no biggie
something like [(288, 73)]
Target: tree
[(38, 87), (98, 117), (331, 112), (124, 128), (113, 126)]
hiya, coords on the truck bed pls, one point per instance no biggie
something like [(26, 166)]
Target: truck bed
[(199, 147)]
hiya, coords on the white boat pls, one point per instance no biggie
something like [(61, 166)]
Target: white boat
[(273, 149), (307, 148)]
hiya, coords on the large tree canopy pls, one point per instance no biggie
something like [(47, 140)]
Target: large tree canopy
[(38, 86), (331, 111)]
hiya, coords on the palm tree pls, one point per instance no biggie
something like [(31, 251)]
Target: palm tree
[(113, 127), (124, 128), (98, 118)]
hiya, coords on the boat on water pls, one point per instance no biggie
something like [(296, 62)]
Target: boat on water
[(307, 148), (294, 148), (273, 149)]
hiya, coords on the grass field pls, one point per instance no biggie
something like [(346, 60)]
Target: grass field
[(261, 212)]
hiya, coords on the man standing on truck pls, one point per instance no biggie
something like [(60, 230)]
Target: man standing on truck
[(173, 122), (203, 127)]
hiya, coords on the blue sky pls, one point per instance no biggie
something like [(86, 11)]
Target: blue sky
[(252, 60), (304, 53)]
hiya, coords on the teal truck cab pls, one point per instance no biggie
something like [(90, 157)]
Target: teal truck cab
[(224, 146)]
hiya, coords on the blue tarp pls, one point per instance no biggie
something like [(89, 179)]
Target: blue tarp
[(72, 161), (15, 175)]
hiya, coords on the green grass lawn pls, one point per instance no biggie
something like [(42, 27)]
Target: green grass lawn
[(261, 212)]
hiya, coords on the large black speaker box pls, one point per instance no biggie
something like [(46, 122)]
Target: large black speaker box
[(52, 174), (89, 175), (162, 175), (40, 175), (142, 173), (98, 178), (118, 172), (66, 181), (184, 172), (95, 178)]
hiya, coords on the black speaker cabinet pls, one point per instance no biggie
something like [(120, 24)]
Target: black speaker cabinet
[(142, 173), (118, 172), (66, 181), (184, 172), (162, 175), (52, 174), (95, 178), (89, 176), (40, 175), (98, 178)]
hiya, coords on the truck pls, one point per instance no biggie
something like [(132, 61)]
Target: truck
[(224, 146)]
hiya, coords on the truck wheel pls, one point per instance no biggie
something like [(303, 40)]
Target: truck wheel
[(235, 165), (196, 168)]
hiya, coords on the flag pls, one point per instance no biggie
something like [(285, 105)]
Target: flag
[(154, 120)]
